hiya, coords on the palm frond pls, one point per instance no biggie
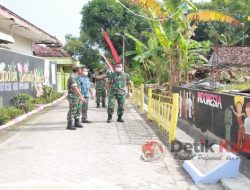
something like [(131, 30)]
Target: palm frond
[(207, 16)]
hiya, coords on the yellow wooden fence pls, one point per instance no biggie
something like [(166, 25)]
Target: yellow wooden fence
[(138, 96), (163, 109)]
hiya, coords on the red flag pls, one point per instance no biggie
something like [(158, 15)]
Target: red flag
[(113, 50), (110, 65)]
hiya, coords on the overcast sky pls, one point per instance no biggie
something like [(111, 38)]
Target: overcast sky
[(57, 17)]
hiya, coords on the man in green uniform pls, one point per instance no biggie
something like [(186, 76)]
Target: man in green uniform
[(116, 89), (100, 89), (75, 99)]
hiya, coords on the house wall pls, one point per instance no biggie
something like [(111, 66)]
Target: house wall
[(21, 44), (64, 68)]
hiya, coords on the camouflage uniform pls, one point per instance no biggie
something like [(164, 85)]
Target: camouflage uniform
[(108, 74), (100, 90), (73, 98), (118, 82)]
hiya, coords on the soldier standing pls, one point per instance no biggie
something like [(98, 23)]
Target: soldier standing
[(85, 90), (75, 99), (116, 89), (100, 89)]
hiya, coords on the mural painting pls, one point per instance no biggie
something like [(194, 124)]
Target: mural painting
[(22, 74), (226, 116)]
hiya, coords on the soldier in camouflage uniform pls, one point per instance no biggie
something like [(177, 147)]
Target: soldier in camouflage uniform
[(75, 99), (101, 89), (117, 82)]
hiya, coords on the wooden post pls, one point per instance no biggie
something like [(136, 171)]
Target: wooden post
[(174, 118), (149, 114), (142, 98)]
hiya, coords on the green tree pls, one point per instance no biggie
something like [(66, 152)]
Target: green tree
[(240, 10), (149, 55), (172, 30), (109, 15), (174, 34), (81, 49), (232, 37), (73, 45), (197, 56), (113, 18)]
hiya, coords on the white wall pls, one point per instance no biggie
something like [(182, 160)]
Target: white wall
[(21, 45)]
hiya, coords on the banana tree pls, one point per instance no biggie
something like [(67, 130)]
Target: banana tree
[(173, 30), (230, 36), (233, 37), (148, 54), (208, 15), (179, 31), (172, 26), (197, 56)]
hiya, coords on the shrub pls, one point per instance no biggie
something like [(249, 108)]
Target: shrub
[(48, 99), (57, 95), (24, 102), (47, 92), (137, 79), (40, 100), (29, 106), (27, 103), (9, 113), (152, 81)]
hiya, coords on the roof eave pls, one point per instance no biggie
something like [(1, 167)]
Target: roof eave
[(49, 39)]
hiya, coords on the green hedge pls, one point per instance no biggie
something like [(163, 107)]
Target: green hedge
[(9, 113), (49, 98), (24, 103)]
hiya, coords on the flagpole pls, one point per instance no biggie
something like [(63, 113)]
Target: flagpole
[(108, 63), (123, 53)]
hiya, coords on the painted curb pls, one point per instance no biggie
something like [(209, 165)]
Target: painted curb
[(22, 117)]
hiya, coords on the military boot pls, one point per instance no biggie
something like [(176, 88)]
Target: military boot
[(70, 126), (109, 118), (97, 105), (120, 118), (78, 124), (85, 121), (103, 105)]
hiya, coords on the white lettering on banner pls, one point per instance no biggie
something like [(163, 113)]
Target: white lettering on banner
[(24, 86), (15, 86), (212, 100), (5, 87)]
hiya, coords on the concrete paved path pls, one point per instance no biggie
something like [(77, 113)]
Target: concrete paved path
[(41, 155)]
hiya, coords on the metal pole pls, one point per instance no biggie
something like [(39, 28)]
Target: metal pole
[(123, 53)]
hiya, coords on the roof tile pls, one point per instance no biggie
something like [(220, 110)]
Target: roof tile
[(48, 52), (234, 55)]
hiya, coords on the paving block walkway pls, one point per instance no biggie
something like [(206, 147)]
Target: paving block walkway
[(41, 154)]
